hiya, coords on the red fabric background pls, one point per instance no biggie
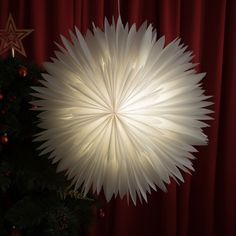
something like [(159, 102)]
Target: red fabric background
[(206, 203)]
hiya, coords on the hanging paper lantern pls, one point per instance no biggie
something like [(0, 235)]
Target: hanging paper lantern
[(120, 111)]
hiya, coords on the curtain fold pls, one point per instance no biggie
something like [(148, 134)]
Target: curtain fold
[(206, 203)]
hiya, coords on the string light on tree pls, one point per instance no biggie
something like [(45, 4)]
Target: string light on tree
[(15, 231)]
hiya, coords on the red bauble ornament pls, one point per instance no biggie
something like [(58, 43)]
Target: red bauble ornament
[(12, 98), (23, 71), (8, 173), (35, 81), (15, 232), (4, 139), (3, 111), (1, 96), (33, 107)]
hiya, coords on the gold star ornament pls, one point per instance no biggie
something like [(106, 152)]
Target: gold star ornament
[(11, 37)]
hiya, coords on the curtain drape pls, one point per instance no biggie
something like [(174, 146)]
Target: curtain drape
[(206, 203)]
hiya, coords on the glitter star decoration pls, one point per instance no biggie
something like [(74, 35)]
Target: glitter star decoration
[(11, 37)]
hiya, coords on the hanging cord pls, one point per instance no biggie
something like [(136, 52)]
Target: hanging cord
[(118, 4)]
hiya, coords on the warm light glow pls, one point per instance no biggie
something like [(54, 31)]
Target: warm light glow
[(120, 111)]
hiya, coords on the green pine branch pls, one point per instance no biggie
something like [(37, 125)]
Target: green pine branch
[(34, 197)]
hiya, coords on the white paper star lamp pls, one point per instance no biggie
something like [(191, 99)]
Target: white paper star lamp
[(120, 111)]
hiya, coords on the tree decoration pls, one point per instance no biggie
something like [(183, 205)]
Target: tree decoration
[(121, 111), (15, 231), (101, 213), (4, 138), (4, 111), (11, 37), (12, 98), (8, 173), (33, 107), (23, 71), (30, 189)]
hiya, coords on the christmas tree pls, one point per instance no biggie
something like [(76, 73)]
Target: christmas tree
[(35, 200)]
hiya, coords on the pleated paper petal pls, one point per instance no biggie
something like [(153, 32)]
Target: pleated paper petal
[(120, 111)]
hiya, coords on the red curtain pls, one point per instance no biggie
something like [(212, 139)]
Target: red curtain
[(206, 203)]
